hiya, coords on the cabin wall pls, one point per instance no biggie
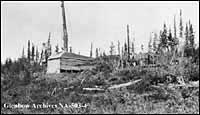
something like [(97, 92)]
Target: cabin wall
[(53, 66), (75, 64)]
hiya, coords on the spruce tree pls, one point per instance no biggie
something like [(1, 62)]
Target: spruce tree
[(150, 44), (49, 45), (191, 35), (122, 52), (187, 47), (187, 35), (41, 56), (37, 55), (175, 27), (29, 52), (133, 48), (175, 39), (154, 42), (125, 49), (118, 47), (181, 24), (191, 39), (112, 49), (33, 52), (97, 53), (23, 55), (170, 40), (163, 38)]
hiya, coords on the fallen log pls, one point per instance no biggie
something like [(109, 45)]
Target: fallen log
[(114, 86), (68, 88), (124, 84), (93, 89), (194, 83)]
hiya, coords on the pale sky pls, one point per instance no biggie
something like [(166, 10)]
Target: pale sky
[(97, 22)]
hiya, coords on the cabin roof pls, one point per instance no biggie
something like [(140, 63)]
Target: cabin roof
[(68, 55)]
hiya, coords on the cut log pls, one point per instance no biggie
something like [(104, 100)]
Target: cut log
[(68, 88), (93, 89), (124, 84)]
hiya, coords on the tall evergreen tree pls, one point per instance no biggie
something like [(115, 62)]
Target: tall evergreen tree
[(181, 24), (47, 49), (112, 49), (41, 56), (187, 35), (175, 39), (163, 38), (97, 52), (175, 27), (160, 40), (187, 48), (191, 39), (122, 52), (33, 52), (189, 23), (133, 48), (37, 55), (133, 45), (170, 40), (49, 45), (125, 50), (29, 52), (150, 44), (155, 43), (118, 47), (191, 35), (23, 55)]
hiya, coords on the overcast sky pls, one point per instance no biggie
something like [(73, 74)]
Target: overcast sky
[(97, 22)]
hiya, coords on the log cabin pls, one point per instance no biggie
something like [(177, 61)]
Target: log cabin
[(68, 62)]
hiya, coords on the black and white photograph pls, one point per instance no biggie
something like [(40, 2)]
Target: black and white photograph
[(99, 57)]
